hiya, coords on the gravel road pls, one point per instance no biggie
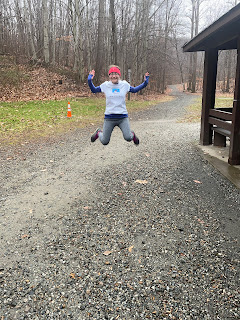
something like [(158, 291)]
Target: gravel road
[(119, 232)]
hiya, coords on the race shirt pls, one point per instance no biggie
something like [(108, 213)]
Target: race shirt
[(115, 96)]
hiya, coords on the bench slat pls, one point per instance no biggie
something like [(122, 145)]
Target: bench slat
[(220, 123), (225, 109), (221, 131), (220, 114)]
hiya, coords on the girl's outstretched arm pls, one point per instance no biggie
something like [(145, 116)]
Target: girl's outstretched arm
[(91, 85), (142, 85)]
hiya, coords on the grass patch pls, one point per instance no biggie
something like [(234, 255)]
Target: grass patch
[(193, 112), (34, 119)]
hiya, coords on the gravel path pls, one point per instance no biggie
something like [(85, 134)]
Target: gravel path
[(119, 232)]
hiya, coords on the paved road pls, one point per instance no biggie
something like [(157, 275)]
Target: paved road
[(119, 231)]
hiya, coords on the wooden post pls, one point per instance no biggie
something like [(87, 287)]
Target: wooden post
[(208, 99), (234, 151)]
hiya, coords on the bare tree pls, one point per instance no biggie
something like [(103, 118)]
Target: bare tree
[(126, 14), (180, 60), (53, 14), (141, 35), (100, 39), (88, 52), (113, 33), (29, 22), (46, 52), (193, 56), (2, 27)]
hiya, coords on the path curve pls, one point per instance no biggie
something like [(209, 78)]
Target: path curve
[(119, 231)]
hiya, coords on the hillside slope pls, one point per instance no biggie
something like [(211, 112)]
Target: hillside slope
[(24, 83)]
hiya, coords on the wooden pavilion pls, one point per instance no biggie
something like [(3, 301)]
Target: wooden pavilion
[(223, 34)]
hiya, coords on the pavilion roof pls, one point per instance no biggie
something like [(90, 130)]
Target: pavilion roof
[(222, 34)]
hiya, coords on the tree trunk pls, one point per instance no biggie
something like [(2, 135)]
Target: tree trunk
[(135, 74), (193, 56), (77, 36), (180, 64), (1, 29), (29, 20), (21, 31), (100, 40), (113, 33), (75, 30), (194, 71), (53, 27), (89, 48), (229, 65), (46, 53)]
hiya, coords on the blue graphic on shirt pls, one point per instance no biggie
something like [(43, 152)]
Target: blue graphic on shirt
[(115, 90)]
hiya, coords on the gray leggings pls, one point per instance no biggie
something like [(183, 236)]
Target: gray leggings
[(108, 127)]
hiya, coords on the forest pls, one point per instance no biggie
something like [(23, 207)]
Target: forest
[(137, 35)]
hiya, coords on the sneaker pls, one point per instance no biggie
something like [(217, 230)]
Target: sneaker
[(135, 139), (95, 135)]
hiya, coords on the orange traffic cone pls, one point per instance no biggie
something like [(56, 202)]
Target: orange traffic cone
[(69, 113)]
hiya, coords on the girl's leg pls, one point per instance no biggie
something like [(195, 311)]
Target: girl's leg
[(105, 135), (128, 135), (124, 125)]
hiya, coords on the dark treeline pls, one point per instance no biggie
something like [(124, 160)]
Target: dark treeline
[(140, 35)]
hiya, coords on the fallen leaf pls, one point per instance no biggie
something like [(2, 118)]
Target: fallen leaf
[(25, 236), (87, 208), (196, 181), (72, 275), (129, 286), (141, 181), (147, 154), (107, 253), (130, 248)]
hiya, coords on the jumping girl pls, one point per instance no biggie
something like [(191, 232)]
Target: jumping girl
[(116, 113)]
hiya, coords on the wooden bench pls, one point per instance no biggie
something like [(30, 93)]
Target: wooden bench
[(221, 125), (220, 136)]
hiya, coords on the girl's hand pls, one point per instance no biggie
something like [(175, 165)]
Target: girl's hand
[(92, 73), (146, 75)]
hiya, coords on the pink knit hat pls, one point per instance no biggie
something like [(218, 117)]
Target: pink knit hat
[(114, 69)]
